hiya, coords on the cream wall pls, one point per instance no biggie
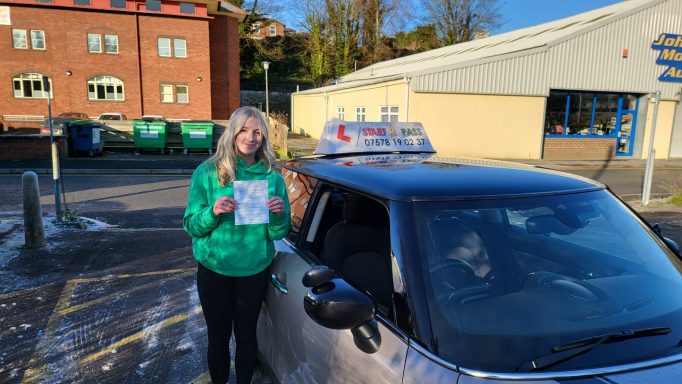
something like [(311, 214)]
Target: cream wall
[(309, 109), (664, 129), (502, 127)]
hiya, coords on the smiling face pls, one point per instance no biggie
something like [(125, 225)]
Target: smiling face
[(248, 140)]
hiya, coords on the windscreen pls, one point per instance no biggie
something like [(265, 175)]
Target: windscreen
[(511, 281)]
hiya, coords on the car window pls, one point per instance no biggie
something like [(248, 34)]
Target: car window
[(350, 234), (508, 280), (300, 190)]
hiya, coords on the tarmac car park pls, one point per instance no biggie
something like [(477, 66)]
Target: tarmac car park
[(403, 268)]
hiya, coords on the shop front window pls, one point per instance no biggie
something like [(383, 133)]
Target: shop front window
[(580, 113), (577, 114), (555, 115), (605, 114)]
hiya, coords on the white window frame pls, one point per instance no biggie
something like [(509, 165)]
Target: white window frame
[(273, 30), (16, 38), (34, 40), (159, 40), (30, 79), (106, 45), (389, 113), (255, 27), (107, 85), (99, 42), (186, 93), (341, 112), (166, 92), (360, 114), (183, 49)]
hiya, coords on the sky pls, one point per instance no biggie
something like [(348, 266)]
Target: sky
[(515, 13), (525, 13)]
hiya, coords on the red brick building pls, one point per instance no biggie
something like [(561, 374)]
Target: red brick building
[(264, 28), (176, 59)]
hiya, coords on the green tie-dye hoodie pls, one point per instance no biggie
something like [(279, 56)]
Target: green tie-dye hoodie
[(219, 244)]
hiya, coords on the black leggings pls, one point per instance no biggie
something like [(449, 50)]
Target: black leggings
[(228, 301)]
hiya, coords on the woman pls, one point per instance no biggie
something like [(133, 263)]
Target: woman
[(233, 259)]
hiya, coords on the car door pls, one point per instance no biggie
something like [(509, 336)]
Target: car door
[(302, 351)]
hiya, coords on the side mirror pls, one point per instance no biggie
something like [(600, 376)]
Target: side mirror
[(318, 275), (335, 304)]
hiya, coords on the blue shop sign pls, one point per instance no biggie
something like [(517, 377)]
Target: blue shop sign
[(670, 47)]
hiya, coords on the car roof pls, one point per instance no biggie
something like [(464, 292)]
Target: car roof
[(414, 177)]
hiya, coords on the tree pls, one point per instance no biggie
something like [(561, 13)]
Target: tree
[(458, 21), (422, 38)]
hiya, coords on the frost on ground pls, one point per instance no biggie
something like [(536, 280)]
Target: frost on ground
[(12, 234)]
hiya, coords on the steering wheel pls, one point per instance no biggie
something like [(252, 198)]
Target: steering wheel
[(563, 284), (452, 274)]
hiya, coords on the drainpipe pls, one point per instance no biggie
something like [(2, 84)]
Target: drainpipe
[(407, 98), (326, 107), (139, 62)]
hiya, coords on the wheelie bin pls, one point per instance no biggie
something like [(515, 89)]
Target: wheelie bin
[(84, 137), (197, 134), (149, 135)]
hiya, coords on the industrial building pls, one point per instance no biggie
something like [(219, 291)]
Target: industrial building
[(577, 88)]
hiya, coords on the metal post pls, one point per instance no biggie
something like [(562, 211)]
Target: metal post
[(55, 153), (266, 66), (34, 234), (649, 171)]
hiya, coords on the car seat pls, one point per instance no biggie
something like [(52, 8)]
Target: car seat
[(358, 248)]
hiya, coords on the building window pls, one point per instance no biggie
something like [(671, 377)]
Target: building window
[(19, 39), (166, 93), (179, 48), (117, 3), (94, 43), (182, 94), (255, 27), (29, 86), (187, 8), (44, 1), (38, 39), (164, 46), (341, 112), (153, 5), (105, 88), (389, 113), (81, 2), (359, 113), (587, 113), (111, 43), (273, 30)]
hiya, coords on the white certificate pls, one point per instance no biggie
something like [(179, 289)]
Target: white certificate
[(252, 202)]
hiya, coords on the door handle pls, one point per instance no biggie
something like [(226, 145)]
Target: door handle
[(274, 279)]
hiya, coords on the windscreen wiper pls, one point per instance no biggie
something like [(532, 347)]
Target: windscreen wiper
[(570, 350)]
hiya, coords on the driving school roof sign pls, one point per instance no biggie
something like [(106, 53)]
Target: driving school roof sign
[(670, 47), (340, 137)]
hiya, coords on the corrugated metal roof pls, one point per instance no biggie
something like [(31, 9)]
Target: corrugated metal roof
[(525, 61)]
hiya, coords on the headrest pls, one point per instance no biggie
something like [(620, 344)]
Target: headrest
[(361, 210)]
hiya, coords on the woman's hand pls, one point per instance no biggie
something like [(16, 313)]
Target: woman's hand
[(276, 205), (224, 205)]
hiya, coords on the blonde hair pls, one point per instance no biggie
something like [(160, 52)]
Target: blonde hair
[(225, 157)]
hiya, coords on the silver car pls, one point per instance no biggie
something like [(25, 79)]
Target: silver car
[(402, 269)]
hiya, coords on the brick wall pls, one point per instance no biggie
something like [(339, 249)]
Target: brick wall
[(66, 50), (224, 45), (579, 148), (29, 147)]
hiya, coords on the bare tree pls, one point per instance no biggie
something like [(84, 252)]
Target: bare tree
[(458, 21)]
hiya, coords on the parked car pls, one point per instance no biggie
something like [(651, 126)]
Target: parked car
[(112, 116), (153, 118), (381, 279), (57, 124), (77, 115)]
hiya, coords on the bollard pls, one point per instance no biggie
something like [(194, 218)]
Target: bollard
[(34, 234)]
